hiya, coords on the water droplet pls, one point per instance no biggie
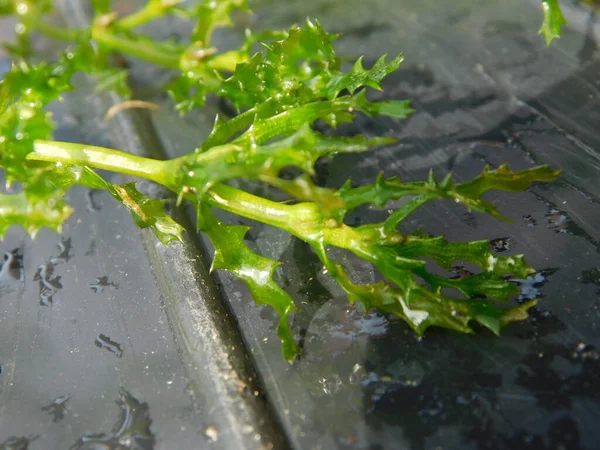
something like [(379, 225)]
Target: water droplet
[(22, 8), (132, 430), (26, 112), (211, 433), (591, 276), (11, 267), (90, 204), (101, 283), (501, 244), (585, 351), (17, 443), (531, 287), (529, 221), (57, 408), (103, 341), (460, 272), (20, 28), (49, 284), (558, 221), (330, 385)]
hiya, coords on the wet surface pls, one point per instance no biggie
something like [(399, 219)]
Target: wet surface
[(486, 91), (57, 408), (57, 388), (130, 432)]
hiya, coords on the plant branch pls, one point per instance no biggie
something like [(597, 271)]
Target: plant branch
[(152, 10), (142, 50), (104, 158)]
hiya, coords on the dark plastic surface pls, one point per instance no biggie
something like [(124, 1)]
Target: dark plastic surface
[(486, 90)]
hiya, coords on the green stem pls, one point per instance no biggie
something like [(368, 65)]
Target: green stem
[(151, 10), (108, 159), (59, 33), (142, 50), (296, 219), (302, 220)]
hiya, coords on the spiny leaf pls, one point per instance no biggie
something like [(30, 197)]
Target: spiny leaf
[(302, 150), (293, 69), (358, 77), (336, 203), (101, 7), (254, 270), (212, 14), (333, 112), (113, 79), (422, 308), (147, 212), (468, 193), (187, 93), (32, 212), (553, 20)]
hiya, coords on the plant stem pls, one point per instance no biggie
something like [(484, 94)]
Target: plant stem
[(287, 217), (142, 50), (302, 220), (151, 10), (63, 34), (103, 158)]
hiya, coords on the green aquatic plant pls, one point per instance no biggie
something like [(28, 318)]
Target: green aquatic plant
[(553, 20), (279, 92)]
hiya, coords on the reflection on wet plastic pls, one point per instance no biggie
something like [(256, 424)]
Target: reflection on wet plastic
[(65, 254), (101, 283), (531, 287), (49, 283), (331, 384), (131, 432), (17, 443), (501, 244), (460, 272), (584, 351), (103, 341), (372, 324), (558, 220), (591, 276), (90, 203), (57, 408), (529, 221), (11, 267)]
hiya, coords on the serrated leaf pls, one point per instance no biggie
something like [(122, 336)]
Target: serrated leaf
[(422, 308), (113, 79), (24, 92), (187, 93), (302, 68), (256, 271), (147, 212), (213, 14), (553, 20), (32, 212), (101, 7), (358, 77), (249, 160), (469, 193)]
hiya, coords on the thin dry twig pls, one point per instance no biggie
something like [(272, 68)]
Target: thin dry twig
[(115, 109)]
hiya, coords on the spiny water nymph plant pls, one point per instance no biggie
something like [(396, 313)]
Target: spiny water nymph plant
[(280, 83)]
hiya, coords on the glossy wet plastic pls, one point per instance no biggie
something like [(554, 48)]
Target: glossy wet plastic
[(156, 335)]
